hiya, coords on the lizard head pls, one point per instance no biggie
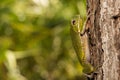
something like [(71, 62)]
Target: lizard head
[(77, 23)]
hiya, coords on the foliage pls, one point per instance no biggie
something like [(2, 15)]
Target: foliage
[(34, 39)]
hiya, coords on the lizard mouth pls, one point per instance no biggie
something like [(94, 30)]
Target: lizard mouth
[(78, 26)]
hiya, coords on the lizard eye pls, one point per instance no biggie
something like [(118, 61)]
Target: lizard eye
[(73, 22)]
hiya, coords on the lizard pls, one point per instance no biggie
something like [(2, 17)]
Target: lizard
[(80, 43)]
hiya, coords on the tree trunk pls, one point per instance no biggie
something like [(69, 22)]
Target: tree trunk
[(104, 38)]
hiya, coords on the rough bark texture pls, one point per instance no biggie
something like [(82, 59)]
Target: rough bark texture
[(104, 38)]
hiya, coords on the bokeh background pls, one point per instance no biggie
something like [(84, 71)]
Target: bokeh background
[(35, 43)]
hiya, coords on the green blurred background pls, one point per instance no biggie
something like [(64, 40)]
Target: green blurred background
[(35, 43)]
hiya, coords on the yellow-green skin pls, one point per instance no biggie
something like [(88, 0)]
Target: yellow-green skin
[(80, 44)]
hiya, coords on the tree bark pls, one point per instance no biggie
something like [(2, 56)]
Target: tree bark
[(104, 38)]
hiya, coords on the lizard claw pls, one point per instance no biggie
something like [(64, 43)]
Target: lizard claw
[(91, 75)]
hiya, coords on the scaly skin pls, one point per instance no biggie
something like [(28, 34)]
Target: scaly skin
[(80, 44)]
